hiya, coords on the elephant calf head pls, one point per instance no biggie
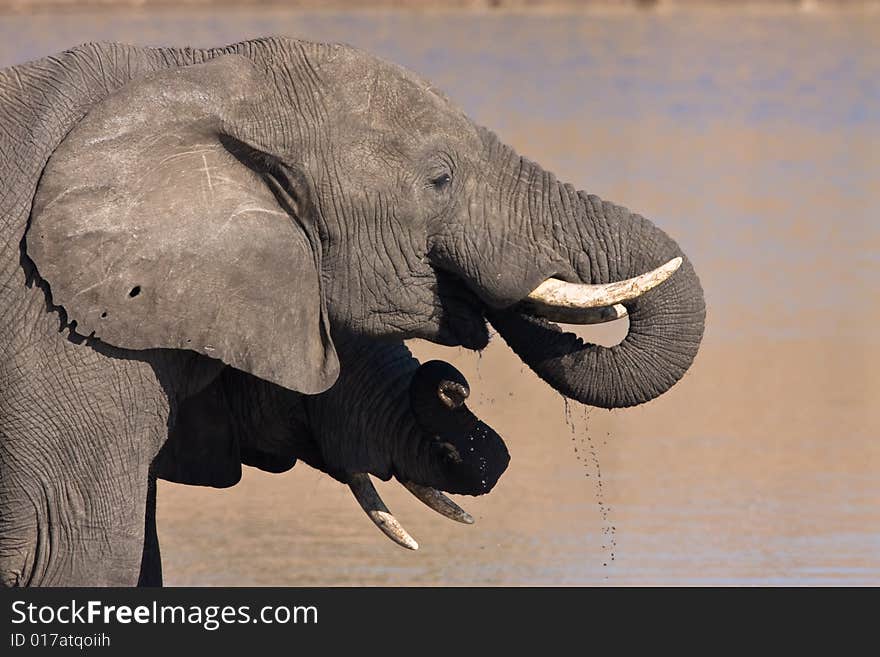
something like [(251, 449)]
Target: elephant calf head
[(473, 456), (255, 205), (433, 443)]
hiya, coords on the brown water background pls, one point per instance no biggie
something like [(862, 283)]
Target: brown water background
[(752, 137)]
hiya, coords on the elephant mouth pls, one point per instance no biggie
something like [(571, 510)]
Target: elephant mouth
[(462, 320)]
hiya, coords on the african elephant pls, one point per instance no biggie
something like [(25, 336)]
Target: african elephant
[(213, 257)]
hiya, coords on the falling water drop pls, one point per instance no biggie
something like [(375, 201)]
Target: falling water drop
[(586, 453)]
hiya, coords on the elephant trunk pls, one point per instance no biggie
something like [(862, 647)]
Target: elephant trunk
[(605, 243), (389, 416)]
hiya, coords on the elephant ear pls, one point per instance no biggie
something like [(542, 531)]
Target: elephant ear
[(153, 229)]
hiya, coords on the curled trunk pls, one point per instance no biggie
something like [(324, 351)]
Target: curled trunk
[(606, 243)]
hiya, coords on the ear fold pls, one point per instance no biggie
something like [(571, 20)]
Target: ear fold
[(151, 233)]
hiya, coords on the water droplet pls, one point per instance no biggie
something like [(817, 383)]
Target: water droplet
[(586, 453)]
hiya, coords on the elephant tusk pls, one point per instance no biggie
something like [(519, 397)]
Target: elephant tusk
[(576, 315), (366, 495), (579, 303), (436, 500)]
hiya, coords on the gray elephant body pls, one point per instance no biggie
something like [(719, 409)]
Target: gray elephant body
[(206, 254)]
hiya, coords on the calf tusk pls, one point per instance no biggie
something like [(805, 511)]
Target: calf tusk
[(560, 301), (436, 500), (366, 495)]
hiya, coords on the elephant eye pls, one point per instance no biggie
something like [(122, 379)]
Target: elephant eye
[(441, 182)]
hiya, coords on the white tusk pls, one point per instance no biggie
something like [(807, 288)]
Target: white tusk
[(555, 298), (436, 500), (366, 495), (556, 293)]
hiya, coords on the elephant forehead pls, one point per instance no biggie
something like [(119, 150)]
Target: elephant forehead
[(385, 96)]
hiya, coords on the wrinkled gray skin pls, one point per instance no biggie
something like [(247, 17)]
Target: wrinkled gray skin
[(148, 312)]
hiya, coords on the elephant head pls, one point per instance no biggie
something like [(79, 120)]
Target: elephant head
[(457, 452), (255, 206)]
